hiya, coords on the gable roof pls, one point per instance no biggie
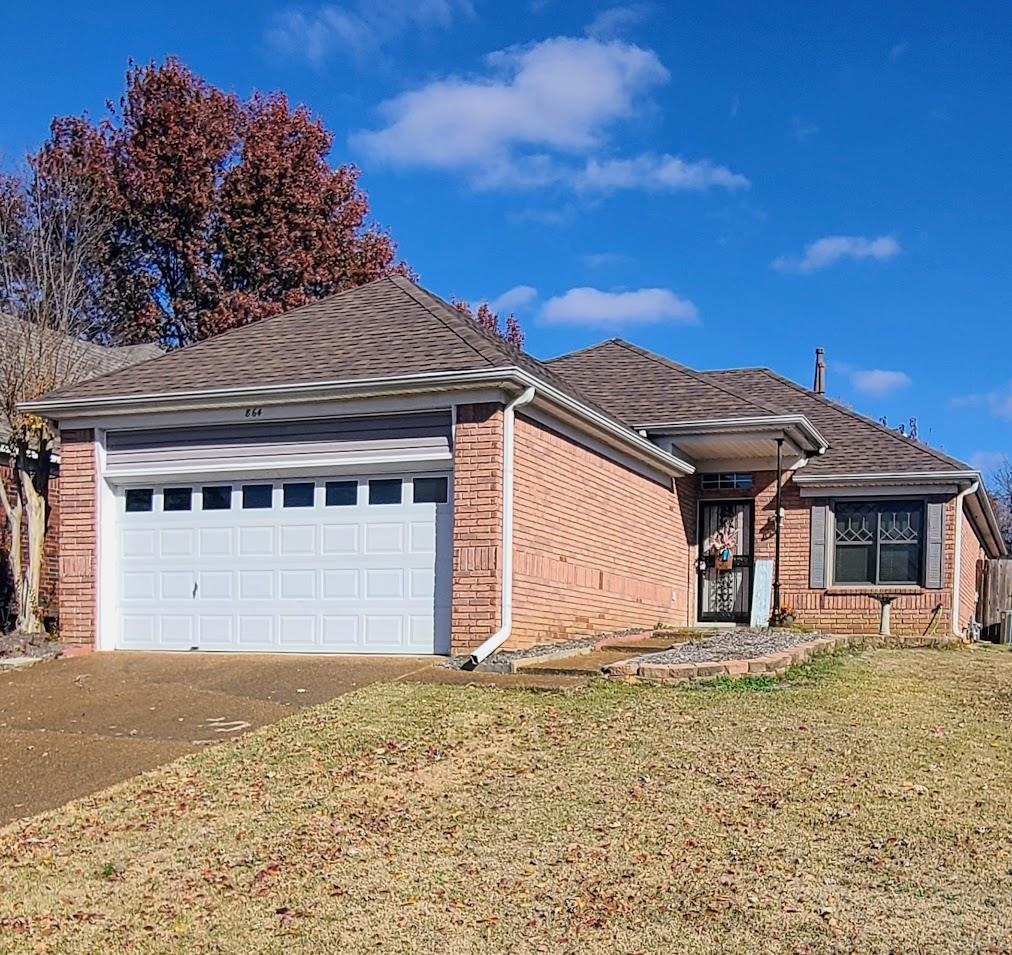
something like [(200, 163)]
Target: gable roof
[(389, 327), (857, 445), (78, 360), (646, 388)]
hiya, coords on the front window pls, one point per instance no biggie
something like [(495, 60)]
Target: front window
[(879, 542), (727, 481)]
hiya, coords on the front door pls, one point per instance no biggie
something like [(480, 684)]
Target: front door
[(725, 561)]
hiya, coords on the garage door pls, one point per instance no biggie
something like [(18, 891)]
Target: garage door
[(327, 565)]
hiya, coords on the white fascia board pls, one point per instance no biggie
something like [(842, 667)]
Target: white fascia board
[(872, 490), (888, 477), (798, 424), (73, 410)]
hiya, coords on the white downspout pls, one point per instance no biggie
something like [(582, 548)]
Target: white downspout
[(958, 557), (506, 617)]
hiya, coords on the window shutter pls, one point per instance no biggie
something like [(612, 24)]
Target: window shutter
[(817, 555), (934, 549)]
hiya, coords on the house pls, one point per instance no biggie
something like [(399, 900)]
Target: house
[(25, 348), (376, 473)]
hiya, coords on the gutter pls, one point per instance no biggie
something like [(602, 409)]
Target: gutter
[(752, 423), (958, 557), (506, 617)]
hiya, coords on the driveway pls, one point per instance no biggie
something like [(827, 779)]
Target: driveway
[(74, 726)]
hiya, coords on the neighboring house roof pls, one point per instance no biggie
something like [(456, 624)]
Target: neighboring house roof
[(74, 360), (857, 445), (646, 388)]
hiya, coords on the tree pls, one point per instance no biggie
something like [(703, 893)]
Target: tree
[(224, 211), (999, 489), (508, 329), (53, 232)]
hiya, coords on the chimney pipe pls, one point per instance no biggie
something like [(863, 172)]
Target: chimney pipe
[(820, 372)]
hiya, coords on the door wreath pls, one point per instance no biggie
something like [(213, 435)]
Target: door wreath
[(723, 543)]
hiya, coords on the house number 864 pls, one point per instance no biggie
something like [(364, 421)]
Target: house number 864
[(254, 412)]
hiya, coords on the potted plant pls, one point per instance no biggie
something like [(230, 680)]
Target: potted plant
[(783, 616)]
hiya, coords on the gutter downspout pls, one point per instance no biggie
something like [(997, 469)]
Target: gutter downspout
[(958, 556), (506, 617)]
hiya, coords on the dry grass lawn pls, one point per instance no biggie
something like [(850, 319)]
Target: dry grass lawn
[(865, 806)]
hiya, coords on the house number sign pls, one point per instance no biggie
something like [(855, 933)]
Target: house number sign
[(254, 412)]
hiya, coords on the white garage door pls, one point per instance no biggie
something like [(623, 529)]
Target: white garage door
[(331, 565)]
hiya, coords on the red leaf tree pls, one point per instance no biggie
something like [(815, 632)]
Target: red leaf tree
[(224, 211), (508, 328)]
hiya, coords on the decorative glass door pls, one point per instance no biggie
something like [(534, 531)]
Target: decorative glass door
[(725, 561)]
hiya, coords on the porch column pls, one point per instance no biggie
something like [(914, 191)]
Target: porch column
[(777, 522)]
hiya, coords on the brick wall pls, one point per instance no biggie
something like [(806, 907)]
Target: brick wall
[(972, 554), (836, 609), (597, 547), (49, 591), (78, 536), (477, 525)]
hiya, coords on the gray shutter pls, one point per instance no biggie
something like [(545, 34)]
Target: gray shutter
[(934, 545), (817, 555)]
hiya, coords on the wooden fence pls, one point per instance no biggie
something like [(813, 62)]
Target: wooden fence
[(995, 587)]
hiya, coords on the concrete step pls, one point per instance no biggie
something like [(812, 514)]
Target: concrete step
[(581, 664)]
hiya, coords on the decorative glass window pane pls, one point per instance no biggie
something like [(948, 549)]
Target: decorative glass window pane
[(342, 493), (855, 523), (385, 491), (299, 495), (216, 498), (139, 499), (177, 498), (879, 542), (430, 490), (257, 496)]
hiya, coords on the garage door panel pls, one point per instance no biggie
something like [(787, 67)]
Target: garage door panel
[(348, 574)]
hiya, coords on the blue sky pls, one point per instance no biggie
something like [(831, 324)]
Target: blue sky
[(726, 184)]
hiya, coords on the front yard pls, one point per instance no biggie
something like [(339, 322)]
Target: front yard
[(866, 806)]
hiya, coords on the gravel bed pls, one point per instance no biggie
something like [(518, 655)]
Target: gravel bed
[(502, 660), (740, 644)]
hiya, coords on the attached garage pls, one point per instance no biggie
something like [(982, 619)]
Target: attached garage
[(276, 558)]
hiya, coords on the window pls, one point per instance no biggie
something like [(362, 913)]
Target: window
[(216, 498), (387, 491), (177, 498), (257, 496), (139, 499), (342, 493), (879, 542), (430, 490), (727, 481), (299, 495)]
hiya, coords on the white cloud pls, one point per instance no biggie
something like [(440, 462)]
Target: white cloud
[(878, 381), (361, 27), (997, 402), (601, 260), (593, 307), (658, 172), (897, 50), (832, 248), (538, 116), (803, 132), (615, 21), (987, 461), (514, 298)]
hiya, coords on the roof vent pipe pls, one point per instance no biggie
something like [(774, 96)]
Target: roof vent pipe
[(820, 372)]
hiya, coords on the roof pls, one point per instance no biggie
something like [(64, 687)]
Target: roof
[(646, 388), (77, 360), (857, 445), (389, 327)]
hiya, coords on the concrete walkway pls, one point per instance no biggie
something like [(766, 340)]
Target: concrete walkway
[(75, 726)]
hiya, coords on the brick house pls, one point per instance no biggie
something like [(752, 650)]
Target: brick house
[(376, 473), (82, 360)]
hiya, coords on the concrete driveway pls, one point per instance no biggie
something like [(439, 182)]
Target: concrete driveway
[(74, 726)]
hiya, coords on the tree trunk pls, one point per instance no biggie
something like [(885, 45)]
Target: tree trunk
[(15, 516), (29, 611)]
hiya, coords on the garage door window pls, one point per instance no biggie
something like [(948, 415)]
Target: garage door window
[(385, 492), (139, 499), (299, 495), (177, 498), (342, 493), (256, 496), (430, 490), (216, 498)]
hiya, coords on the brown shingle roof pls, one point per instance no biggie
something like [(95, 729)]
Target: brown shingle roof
[(386, 328), (857, 445), (646, 388)]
